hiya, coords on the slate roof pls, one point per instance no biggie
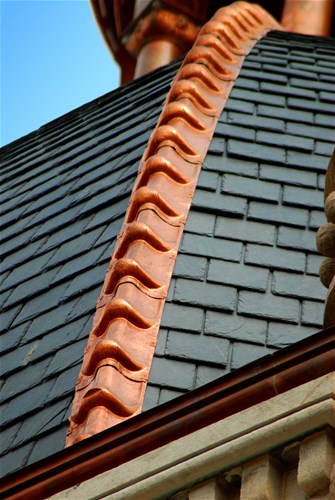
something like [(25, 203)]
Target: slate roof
[(245, 281)]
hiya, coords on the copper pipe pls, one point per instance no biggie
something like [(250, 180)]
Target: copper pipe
[(154, 55), (310, 17)]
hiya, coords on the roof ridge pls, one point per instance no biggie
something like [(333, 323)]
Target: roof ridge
[(118, 356)]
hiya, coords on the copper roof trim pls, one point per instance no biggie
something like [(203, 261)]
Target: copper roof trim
[(118, 356), (249, 385)]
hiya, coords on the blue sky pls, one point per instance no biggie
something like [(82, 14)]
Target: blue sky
[(53, 59)]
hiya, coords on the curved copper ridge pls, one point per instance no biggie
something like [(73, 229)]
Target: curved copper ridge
[(119, 352), (325, 242)]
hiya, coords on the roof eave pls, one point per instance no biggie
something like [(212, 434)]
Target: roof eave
[(254, 383)]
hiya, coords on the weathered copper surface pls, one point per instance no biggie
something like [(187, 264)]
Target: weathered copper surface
[(325, 242), (259, 381), (311, 17), (117, 360)]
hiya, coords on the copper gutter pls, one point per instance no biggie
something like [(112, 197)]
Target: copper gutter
[(310, 17), (259, 381), (115, 370)]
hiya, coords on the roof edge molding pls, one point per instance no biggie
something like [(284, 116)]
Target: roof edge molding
[(115, 370)]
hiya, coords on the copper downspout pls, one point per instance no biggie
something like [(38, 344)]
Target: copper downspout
[(310, 17), (115, 370), (154, 55)]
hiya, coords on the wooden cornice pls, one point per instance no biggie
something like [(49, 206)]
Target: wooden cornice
[(115, 370)]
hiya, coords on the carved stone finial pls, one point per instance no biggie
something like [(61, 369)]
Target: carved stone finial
[(325, 242)]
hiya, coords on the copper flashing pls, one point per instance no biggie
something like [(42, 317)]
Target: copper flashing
[(259, 381), (118, 356), (325, 242)]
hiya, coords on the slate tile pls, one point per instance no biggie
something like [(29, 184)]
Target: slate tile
[(208, 180), (231, 165), (78, 245), (325, 120), (85, 304), (277, 214), (15, 459), (217, 146), (300, 115), (111, 217), (246, 83), (17, 358), (303, 287), (25, 379), (259, 152), (288, 175), (78, 265), (172, 373), (63, 336), (256, 122), (183, 317), (66, 382), (282, 335), (201, 294), (206, 374), (228, 130), (7, 438), (151, 397), (274, 258), (296, 238), (235, 327), (313, 264), (324, 148), (245, 353), (321, 181), (26, 403), (247, 231), (237, 105), (12, 338), (311, 84), (317, 68), (262, 75), (313, 162), (298, 196), (167, 395), (49, 418), (286, 90), (28, 270), (291, 71), (312, 313), (218, 204), (28, 290), (317, 106), (190, 267), (86, 281), (161, 342), (65, 234), (40, 304), (211, 350), (317, 218), (47, 321), (66, 358), (211, 247), (251, 188), (322, 133), (257, 97), (9, 317), (268, 306), (286, 141), (233, 274), (43, 445)]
